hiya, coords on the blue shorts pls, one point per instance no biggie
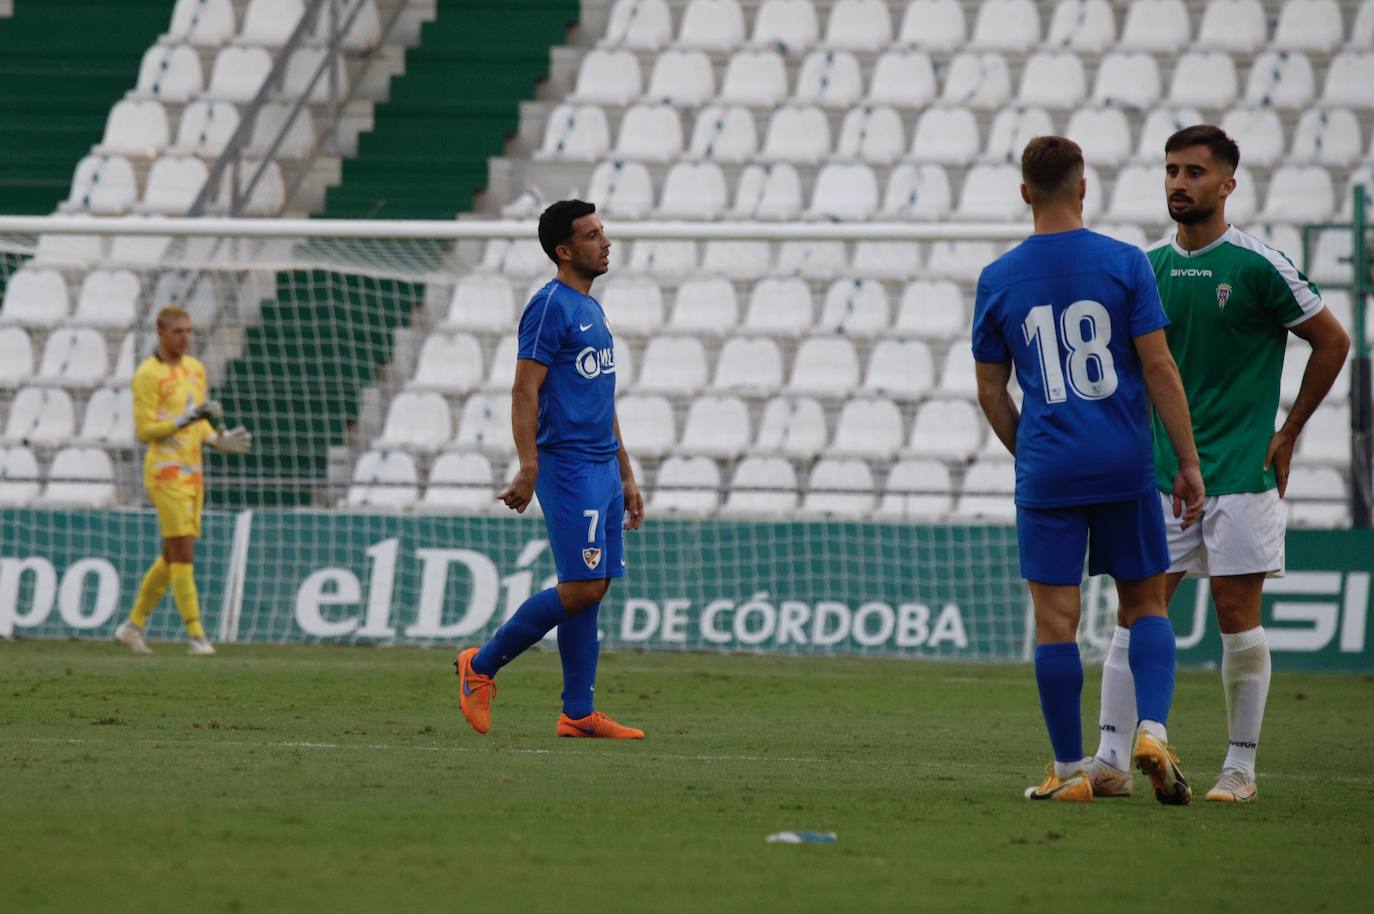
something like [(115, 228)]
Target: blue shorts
[(584, 509), (1124, 539)]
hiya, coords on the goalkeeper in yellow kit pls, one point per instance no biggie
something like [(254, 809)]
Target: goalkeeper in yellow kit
[(172, 416)]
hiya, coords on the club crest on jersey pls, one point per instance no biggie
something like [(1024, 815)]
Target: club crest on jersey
[(1223, 293), (591, 557)]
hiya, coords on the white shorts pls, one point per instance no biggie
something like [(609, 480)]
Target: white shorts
[(1238, 534)]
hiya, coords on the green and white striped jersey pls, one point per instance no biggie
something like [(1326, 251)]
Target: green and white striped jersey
[(1231, 304)]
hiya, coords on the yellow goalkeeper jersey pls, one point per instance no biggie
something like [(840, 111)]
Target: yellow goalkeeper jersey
[(162, 392)]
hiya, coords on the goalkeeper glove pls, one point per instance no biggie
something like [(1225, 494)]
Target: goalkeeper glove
[(210, 409), (233, 441)]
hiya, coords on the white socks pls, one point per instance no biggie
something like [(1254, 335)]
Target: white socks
[(1245, 669), (1117, 721)]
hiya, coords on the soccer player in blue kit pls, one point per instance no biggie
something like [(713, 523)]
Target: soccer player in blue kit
[(568, 442), (1078, 315)]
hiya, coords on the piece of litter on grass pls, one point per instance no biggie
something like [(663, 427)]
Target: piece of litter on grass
[(802, 837)]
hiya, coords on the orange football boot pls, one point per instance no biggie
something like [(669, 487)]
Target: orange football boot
[(475, 691), (596, 726)]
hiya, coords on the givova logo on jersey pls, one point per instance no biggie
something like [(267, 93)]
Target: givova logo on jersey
[(592, 363)]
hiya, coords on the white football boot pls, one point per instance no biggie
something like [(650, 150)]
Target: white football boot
[(201, 647), (131, 636)]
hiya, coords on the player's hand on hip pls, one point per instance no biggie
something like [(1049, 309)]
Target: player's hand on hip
[(520, 492), (1280, 456), (634, 505), (1189, 495)]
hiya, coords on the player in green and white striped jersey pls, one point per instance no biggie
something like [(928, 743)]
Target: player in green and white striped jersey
[(1232, 302)]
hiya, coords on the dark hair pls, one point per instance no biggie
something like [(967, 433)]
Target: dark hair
[(555, 224), (1222, 147), (1051, 166)]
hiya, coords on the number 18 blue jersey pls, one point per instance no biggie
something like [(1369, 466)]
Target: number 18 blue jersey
[(1065, 308)]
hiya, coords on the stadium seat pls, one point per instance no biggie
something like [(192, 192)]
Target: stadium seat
[(712, 25), (844, 191), (933, 25), (418, 421), (754, 78), (135, 128), (977, 81), (917, 490), (746, 260), (666, 259), (460, 482), (917, 192), (647, 427), (16, 357), (449, 364), (1362, 29), (1317, 497), (384, 479), (1350, 80), (1309, 25), (839, 489), (238, 74), (855, 308), (74, 357), (35, 298), (762, 485), (687, 485), (887, 259), (799, 134), (931, 310), (269, 23), (124, 361), (716, 427), (482, 303), (1204, 78), (173, 184), (608, 78), (40, 417), (19, 477), (1282, 79), (673, 365), (1363, 175), (779, 307), (864, 26), (205, 23), (205, 128), (1104, 135), (901, 370), (298, 142), (724, 134), (946, 429), (1299, 193), (960, 260), (265, 198), (826, 367), (1295, 363), (501, 374), (80, 477), (868, 427), (1086, 26), (1011, 130), (1158, 26), (1129, 80), (816, 260), (786, 24), (905, 79), (577, 133), (749, 366), (1006, 25), (1238, 26), (1258, 132), (633, 305), (71, 250), (1159, 125), (872, 134), (987, 493), (1053, 80), (301, 69), (792, 426), (103, 186), (992, 193), (705, 306), (948, 136), (622, 189), (170, 73), (831, 79), (682, 78), (1139, 194), (641, 25), (364, 32), (694, 190), (1284, 238), (485, 424), (109, 419), (1326, 437), (1327, 136), (957, 377)]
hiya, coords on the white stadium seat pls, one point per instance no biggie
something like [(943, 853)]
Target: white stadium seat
[(1238, 26), (918, 490), (109, 419), (788, 24), (103, 186), (745, 260), (1309, 25), (19, 477), (694, 190), (449, 363), (872, 134), (832, 79), (643, 25), (682, 78), (1206, 79), (124, 361), (768, 192), (987, 493), (1103, 133), (622, 189), (825, 367), (482, 303), (798, 134), (1006, 25), (1326, 437), (902, 370), (905, 79), (170, 73), (705, 306), (961, 260), (945, 135), (40, 417), (1159, 125), (608, 78), (755, 78), (859, 25), (946, 429), (1300, 193), (1317, 497), (651, 132), (1011, 130), (1124, 79), (460, 482), (82, 477), (74, 357), (16, 357), (417, 421), (869, 428), (633, 305), (485, 424), (716, 427), (674, 365), (661, 258), (1350, 79), (845, 192), (135, 128), (71, 250), (933, 25), (1258, 132), (957, 378), (887, 259), (365, 31), (762, 485), (931, 310), (793, 426), (817, 260), (779, 307), (577, 133), (992, 193), (1053, 80), (501, 374), (269, 23), (840, 488), (206, 128), (1160, 26), (712, 25), (1086, 26), (646, 425), (273, 118), (301, 69), (238, 73), (1282, 79), (1360, 176), (202, 22), (1139, 194), (1362, 29), (384, 479), (1327, 136), (35, 298), (749, 366), (265, 198), (917, 192), (724, 134), (172, 186), (687, 485), (977, 81), (856, 308)]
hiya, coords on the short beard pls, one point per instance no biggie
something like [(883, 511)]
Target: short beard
[(1193, 215)]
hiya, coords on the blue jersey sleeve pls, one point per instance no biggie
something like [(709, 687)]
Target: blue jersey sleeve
[(543, 328), (988, 343), (1147, 311)]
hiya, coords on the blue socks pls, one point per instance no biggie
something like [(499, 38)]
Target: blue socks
[(579, 650), (1152, 656), (1059, 676), (532, 621)]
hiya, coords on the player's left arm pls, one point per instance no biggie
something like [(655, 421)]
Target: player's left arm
[(996, 401), (634, 499), (1330, 347)]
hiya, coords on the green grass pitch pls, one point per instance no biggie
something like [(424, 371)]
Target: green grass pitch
[(344, 779)]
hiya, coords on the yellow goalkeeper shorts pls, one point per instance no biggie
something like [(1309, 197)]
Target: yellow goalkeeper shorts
[(178, 509)]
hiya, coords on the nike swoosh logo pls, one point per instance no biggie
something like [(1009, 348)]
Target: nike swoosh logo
[(590, 731), (584, 327), (466, 690)]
